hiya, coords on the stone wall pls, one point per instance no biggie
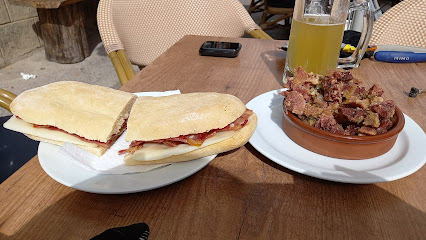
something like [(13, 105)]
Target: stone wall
[(19, 34)]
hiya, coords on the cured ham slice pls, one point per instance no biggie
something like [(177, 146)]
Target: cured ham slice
[(192, 139)]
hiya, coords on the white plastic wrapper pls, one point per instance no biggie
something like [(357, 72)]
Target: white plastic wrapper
[(27, 76)]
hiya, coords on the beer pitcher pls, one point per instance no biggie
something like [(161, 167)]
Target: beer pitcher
[(317, 31)]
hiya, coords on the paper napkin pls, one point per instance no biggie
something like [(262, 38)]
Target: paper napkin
[(110, 162)]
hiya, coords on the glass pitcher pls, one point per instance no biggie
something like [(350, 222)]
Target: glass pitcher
[(317, 31)]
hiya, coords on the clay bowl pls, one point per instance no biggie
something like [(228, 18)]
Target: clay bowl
[(341, 146)]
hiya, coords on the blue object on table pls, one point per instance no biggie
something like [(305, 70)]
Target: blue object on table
[(400, 56)]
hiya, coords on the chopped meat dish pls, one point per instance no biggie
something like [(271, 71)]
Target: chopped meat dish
[(338, 103)]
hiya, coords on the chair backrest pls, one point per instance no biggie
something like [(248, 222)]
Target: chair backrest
[(404, 24), (146, 28), (282, 8)]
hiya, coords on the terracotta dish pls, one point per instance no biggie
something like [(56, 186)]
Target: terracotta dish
[(341, 146)]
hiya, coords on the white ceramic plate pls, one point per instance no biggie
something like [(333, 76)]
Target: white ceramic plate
[(74, 176), (407, 156)]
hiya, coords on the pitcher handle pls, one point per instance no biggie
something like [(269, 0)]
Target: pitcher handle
[(367, 28)]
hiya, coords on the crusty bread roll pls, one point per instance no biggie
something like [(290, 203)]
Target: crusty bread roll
[(180, 115), (239, 138), (79, 109)]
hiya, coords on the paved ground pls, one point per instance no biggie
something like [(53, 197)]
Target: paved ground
[(96, 69)]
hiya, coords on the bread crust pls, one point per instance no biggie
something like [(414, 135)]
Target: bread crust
[(240, 138), (90, 111), (154, 118)]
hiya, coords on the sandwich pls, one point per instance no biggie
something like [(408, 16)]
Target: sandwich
[(88, 116), (184, 127)]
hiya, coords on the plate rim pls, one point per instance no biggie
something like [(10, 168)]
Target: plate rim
[(197, 165), (46, 149), (300, 168)]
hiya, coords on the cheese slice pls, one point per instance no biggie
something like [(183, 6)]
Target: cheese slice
[(98, 151), (155, 151), (19, 125)]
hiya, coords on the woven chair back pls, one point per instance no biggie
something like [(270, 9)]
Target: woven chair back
[(404, 24), (146, 28)]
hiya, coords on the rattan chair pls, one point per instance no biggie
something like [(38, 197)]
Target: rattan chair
[(138, 31), (277, 7), (404, 24), (6, 98), (256, 6)]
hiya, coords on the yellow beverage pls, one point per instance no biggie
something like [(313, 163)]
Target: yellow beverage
[(314, 44)]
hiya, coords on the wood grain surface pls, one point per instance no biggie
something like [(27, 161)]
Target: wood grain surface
[(241, 194)]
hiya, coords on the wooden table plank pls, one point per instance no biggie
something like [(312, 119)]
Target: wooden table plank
[(397, 80), (240, 194), (215, 74)]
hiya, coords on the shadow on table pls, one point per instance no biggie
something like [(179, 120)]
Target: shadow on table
[(250, 206), (275, 60), (15, 150)]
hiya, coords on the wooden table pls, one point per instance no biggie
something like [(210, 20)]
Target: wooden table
[(240, 194), (62, 28)]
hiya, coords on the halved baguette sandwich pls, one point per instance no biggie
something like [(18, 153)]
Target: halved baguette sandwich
[(185, 127), (89, 116)]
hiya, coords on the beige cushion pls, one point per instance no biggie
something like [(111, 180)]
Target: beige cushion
[(404, 24), (145, 29)]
